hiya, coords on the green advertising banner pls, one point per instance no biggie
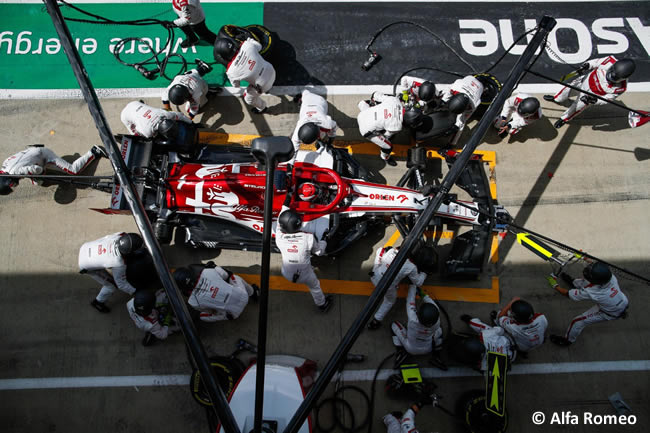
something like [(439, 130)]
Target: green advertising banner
[(32, 57)]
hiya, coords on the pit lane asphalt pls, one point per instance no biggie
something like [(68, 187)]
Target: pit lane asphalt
[(585, 184)]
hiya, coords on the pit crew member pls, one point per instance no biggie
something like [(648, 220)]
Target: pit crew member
[(518, 111), (146, 121), (463, 98), (379, 119)]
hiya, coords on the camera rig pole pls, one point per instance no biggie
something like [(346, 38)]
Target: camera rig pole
[(220, 403), (545, 26)]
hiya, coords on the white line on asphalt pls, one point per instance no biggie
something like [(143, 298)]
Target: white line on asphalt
[(135, 93), (348, 375)]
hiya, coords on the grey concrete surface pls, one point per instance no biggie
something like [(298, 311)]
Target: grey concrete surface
[(586, 185)]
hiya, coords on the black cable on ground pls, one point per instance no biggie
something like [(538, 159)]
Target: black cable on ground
[(336, 401), (510, 223), (421, 27), (160, 65)]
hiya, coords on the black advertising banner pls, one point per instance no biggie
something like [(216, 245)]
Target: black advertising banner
[(326, 41)]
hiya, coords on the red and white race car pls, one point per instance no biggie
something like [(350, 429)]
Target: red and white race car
[(217, 196)]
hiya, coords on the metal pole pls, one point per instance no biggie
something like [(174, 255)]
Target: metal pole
[(220, 403), (546, 24), (264, 296)]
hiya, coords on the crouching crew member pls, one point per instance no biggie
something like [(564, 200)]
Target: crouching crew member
[(216, 293), (383, 259), (379, 119), (518, 111), (143, 120), (37, 158), (111, 252), (152, 314)]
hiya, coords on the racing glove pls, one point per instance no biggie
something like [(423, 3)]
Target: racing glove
[(588, 99), (583, 68), (552, 281), (167, 320)]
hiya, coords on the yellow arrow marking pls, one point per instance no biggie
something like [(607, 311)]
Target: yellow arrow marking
[(524, 240), (494, 399)]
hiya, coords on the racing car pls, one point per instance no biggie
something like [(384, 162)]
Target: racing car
[(215, 194)]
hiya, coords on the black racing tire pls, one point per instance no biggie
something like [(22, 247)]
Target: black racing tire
[(227, 370), (476, 418), (163, 231), (258, 32), (491, 86)]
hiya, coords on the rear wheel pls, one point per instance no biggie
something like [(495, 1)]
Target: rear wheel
[(476, 418), (227, 371)]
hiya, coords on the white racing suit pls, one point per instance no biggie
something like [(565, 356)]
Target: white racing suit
[(509, 115), (296, 249), (96, 257), (417, 339), (408, 89), (249, 65), (34, 160), (197, 86), (188, 11), (404, 425), (594, 81), (314, 109), (141, 119), (383, 259), (495, 339), (380, 122), (471, 87), (611, 304), (218, 297), (527, 336), (153, 322)]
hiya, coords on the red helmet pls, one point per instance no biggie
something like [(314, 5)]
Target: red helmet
[(308, 191)]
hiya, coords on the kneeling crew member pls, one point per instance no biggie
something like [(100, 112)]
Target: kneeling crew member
[(190, 89), (216, 293), (152, 314), (423, 332), (520, 321)]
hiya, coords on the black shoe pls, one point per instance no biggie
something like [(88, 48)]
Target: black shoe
[(258, 111), (98, 152), (400, 358), (560, 341), (397, 414), (148, 339), (560, 123), (466, 318), (297, 99), (568, 279), (437, 362), (202, 67), (213, 91), (549, 98), (327, 305), (391, 161), (374, 324), (256, 292), (100, 306), (188, 43), (493, 316)]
